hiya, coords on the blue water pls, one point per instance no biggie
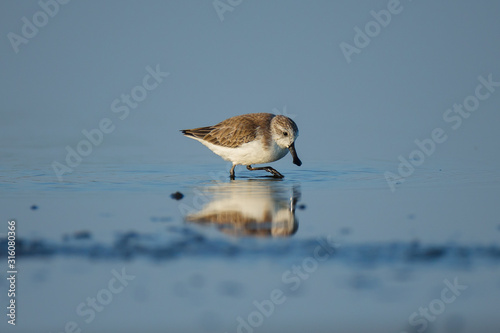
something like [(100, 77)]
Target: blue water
[(227, 244)]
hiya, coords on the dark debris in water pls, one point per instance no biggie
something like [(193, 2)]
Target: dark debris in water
[(84, 234), (34, 207), (78, 235), (429, 253), (177, 195)]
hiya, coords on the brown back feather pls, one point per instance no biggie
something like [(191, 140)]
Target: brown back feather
[(232, 132)]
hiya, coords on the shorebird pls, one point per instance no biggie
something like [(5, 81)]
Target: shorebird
[(253, 138)]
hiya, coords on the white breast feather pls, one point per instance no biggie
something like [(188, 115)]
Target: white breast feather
[(248, 153)]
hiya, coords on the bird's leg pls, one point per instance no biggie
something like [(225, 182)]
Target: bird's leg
[(231, 173), (268, 169)]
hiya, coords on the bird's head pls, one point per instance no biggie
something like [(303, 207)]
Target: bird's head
[(284, 133)]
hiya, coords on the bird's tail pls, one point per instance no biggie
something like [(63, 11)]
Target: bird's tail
[(197, 133)]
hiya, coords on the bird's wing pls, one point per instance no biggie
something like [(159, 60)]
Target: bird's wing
[(233, 132)]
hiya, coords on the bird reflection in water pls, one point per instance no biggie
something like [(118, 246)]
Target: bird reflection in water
[(262, 208)]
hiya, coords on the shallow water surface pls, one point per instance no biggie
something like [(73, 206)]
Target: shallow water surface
[(243, 255)]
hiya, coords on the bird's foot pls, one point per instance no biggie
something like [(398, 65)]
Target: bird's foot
[(275, 172), (269, 169)]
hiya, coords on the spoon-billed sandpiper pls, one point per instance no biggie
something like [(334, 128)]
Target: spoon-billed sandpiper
[(253, 138)]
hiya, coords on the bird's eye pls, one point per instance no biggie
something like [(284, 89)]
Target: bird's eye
[(285, 133)]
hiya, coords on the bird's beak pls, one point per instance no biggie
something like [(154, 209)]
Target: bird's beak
[(296, 159)]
